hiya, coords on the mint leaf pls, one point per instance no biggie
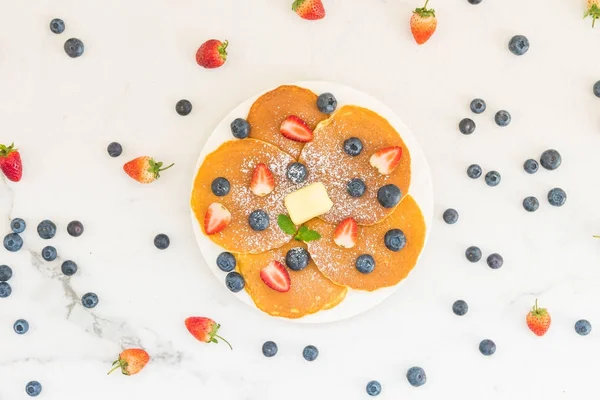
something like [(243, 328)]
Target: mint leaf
[(285, 224), (307, 235)]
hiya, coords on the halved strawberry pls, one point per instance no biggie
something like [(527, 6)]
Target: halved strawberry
[(276, 276), (346, 233), (295, 128), (386, 159), (216, 219), (263, 181)]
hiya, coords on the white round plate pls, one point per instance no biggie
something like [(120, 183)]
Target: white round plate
[(421, 189)]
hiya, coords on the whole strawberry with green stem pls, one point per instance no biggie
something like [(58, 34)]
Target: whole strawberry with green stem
[(212, 53), (144, 169), (309, 9), (593, 10), (131, 361), (10, 162), (423, 23), (538, 320), (204, 329)]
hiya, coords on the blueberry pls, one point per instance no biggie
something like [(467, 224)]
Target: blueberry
[(356, 187), (114, 149), (161, 241), (13, 242), (240, 128), (502, 118), (74, 47), (518, 45), (474, 1), (493, 178), (557, 197), (226, 262), (450, 216), (310, 353), (326, 103), (389, 196), (487, 347), (473, 254), (269, 349), (531, 203), (478, 105), (466, 126), (531, 166), (297, 258), (460, 307), (17, 225), (583, 327), (297, 172), (220, 187), (394, 240), (551, 159), (5, 273), (57, 26), (183, 107), (89, 300), (258, 220), (597, 89), (495, 261), (33, 388), (75, 228), (235, 281), (46, 229), (365, 263), (373, 388), (474, 171), (68, 268), (353, 146), (5, 290), (49, 253), (21, 326), (416, 376)]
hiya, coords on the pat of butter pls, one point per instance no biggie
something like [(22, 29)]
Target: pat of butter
[(309, 202)]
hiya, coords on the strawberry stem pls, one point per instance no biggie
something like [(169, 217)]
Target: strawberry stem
[(223, 339), (165, 168), (116, 367), (425, 6)]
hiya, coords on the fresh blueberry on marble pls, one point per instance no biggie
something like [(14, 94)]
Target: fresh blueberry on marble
[(487, 347), (531, 203), (583, 327), (493, 178), (310, 353), (89, 300), (326, 103), (297, 258), (68, 268), (240, 128), (460, 307), (74, 47), (46, 229), (597, 89), (220, 187), (473, 254), (474, 171), (450, 216), (296, 172), (394, 240), (474, 2), (75, 228), (416, 376), (495, 261), (18, 225), (183, 107), (235, 281), (389, 196), (33, 388), (269, 349), (365, 263), (49, 253), (114, 149), (57, 26), (258, 220), (373, 388), (502, 118), (5, 273), (226, 261), (13, 242), (518, 45), (531, 166), (466, 126), (478, 105), (5, 289), (21, 326), (161, 241), (356, 187), (353, 146), (557, 197), (551, 159)]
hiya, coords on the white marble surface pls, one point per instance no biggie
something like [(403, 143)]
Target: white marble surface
[(139, 61)]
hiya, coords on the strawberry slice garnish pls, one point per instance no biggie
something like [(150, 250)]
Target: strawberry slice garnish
[(346, 233), (263, 181), (216, 219), (386, 159), (295, 128), (276, 276)]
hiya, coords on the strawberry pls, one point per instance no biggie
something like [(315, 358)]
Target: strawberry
[(295, 128), (212, 53), (538, 320), (144, 169), (276, 276), (10, 162), (593, 10), (309, 9), (423, 23), (204, 329), (386, 159), (131, 361), (346, 233), (263, 181), (216, 219)]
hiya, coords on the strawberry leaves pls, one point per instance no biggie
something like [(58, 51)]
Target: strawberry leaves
[(303, 234)]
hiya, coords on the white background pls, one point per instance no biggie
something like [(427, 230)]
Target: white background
[(139, 60)]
